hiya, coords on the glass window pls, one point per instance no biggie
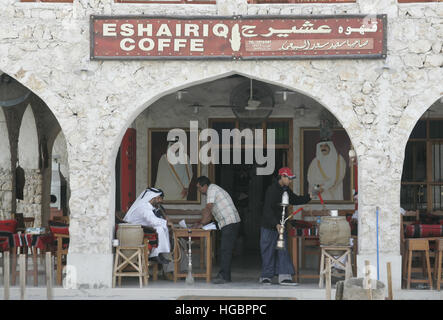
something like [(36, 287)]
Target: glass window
[(436, 129), (437, 156), (437, 197), (414, 167), (419, 131), (413, 197), (421, 173), (219, 126), (281, 131)]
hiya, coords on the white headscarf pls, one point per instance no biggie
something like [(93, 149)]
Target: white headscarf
[(329, 162), (143, 200)]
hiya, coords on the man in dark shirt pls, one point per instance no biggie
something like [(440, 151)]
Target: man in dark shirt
[(277, 262)]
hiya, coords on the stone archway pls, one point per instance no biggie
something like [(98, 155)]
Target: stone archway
[(30, 202), (31, 130), (143, 107)]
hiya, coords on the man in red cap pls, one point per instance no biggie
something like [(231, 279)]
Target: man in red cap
[(277, 262)]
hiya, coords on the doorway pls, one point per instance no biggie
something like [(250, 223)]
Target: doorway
[(247, 189)]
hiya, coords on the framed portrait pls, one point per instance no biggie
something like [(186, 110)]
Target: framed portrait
[(178, 182), (325, 162)]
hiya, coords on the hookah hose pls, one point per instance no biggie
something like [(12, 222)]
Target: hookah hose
[(321, 199), (301, 208)]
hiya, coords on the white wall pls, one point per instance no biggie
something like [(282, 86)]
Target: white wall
[(28, 141)]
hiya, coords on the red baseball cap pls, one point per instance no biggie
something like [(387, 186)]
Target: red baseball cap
[(286, 172)]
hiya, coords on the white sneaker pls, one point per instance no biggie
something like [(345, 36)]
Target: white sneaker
[(288, 282), (266, 281)]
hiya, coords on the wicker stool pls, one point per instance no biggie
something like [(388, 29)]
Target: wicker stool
[(438, 263), (345, 251), (413, 245), (130, 256)]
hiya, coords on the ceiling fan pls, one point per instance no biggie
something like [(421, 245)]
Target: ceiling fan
[(254, 101), (196, 106), (251, 102)]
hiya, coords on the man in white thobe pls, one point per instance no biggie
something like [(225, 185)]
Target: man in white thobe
[(142, 212), (174, 179), (327, 170)]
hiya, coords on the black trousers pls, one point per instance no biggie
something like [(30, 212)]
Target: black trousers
[(228, 237)]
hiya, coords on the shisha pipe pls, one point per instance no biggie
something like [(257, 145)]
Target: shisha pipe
[(189, 277), (284, 203)]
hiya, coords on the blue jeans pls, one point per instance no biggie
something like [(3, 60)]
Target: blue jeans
[(274, 262)]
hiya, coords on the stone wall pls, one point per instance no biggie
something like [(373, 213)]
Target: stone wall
[(5, 194), (43, 45), (31, 205)]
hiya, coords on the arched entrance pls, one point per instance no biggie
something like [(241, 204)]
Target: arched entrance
[(421, 182), (299, 121), (28, 128)]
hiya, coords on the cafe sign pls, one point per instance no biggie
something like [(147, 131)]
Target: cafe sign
[(238, 37)]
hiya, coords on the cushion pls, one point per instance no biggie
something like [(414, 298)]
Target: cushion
[(423, 230), (8, 225), (60, 230), (57, 224), (58, 227)]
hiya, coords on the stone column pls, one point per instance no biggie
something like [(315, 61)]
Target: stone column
[(379, 189), (31, 205), (91, 203), (5, 194)]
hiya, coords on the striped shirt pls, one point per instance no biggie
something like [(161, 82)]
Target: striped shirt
[(223, 210)]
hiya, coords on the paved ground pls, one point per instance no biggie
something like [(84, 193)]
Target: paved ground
[(244, 286)]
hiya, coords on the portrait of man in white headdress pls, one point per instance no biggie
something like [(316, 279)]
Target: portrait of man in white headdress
[(327, 170), (174, 178)]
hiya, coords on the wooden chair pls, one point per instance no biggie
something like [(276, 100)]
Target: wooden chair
[(23, 222), (326, 253), (310, 245), (438, 263), (60, 254), (438, 213), (134, 257), (152, 264), (63, 219), (422, 246), (354, 254), (408, 218), (60, 248)]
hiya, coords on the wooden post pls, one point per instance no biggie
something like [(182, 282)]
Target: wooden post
[(390, 296), (22, 263), (6, 274), (328, 278), (48, 275)]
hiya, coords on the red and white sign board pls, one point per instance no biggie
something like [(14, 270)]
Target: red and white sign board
[(238, 38)]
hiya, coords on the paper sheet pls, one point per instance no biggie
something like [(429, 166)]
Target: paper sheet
[(182, 224), (210, 226)]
